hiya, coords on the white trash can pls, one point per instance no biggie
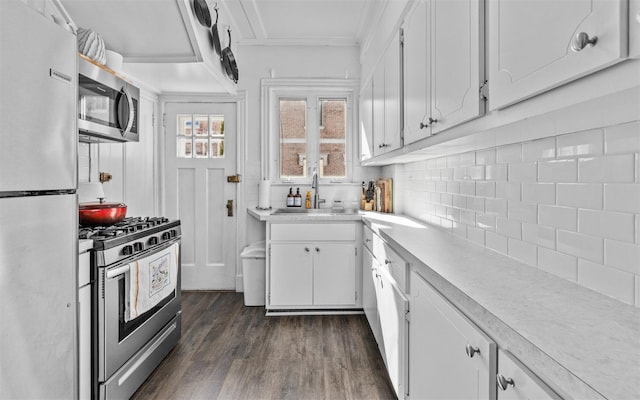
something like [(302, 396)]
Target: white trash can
[(253, 273)]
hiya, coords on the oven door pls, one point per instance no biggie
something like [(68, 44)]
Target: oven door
[(119, 339)]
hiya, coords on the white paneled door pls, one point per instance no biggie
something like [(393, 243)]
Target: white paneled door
[(200, 153)]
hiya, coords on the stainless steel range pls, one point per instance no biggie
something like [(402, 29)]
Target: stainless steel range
[(136, 301)]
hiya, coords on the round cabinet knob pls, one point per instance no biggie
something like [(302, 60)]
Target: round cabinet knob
[(432, 120), (306, 249), (387, 261), (318, 249), (423, 125), (582, 40), (503, 383), (472, 351)]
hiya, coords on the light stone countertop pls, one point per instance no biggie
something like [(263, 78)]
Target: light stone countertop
[(586, 345), (269, 216), (84, 245)]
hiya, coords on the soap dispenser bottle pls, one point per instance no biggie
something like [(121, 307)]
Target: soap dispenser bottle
[(297, 199), (307, 201), (290, 198)]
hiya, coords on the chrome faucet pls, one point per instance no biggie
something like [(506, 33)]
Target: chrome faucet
[(314, 185)]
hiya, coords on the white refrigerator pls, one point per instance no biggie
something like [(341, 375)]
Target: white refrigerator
[(38, 206)]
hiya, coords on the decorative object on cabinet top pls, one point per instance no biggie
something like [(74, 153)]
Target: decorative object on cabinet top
[(91, 45)]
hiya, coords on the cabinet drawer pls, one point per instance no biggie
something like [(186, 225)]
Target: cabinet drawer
[(313, 232), (516, 381), (367, 238), (391, 262)]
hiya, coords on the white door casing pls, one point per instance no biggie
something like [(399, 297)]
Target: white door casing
[(197, 193)]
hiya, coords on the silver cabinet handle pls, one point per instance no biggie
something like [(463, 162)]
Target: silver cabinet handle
[(306, 249), (503, 383), (582, 40), (318, 249), (423, 125), (432, 121), (472, 351), (367, 240), (387, 262)]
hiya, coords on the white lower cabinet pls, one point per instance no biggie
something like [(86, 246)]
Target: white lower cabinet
[(393, 306), (369, 301), (516, 382), (312, 266), (450, 358)]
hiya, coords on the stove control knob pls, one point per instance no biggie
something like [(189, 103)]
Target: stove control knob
[(166, 236), (173, 233), (127, 250), (153, 240), (138, 246)]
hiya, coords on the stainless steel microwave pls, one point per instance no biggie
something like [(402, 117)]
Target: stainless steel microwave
[(107, 105)]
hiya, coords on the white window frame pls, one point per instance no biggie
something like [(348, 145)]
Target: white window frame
[(313, 90)]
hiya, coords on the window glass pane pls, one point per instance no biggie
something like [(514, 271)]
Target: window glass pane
[(217, 125), (333, 118), (332, 160), (293, 138), (217, 148), (184, 147), (202, 148), (201, 125), (184, 125)]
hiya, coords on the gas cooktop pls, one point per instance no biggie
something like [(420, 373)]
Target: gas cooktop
[(128, 229)]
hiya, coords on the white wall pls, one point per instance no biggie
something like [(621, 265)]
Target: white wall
[(258, 62)]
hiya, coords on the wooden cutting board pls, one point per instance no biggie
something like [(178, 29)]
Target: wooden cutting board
[(385, 185)]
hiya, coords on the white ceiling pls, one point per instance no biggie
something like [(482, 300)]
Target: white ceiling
[(162, 41)]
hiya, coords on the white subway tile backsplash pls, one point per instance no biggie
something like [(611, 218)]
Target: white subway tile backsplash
[(558, 217), (610, 225), (468, 188), (624, 197), (486, 189), (624, 256), (523, 212), (498, 172), (509, 154), (475, 235), (539, 235), (580, 144), (581, 246), (539, 149), (569, 204), (609, 281), (486, 222), (543, 193), (558, 171), (522, 251), (527, 172), (496, 207), (496, 242), (509, 190), (580, 195), (559, 264), (622, 138), (509, 227), (620, 168), (486, 157)]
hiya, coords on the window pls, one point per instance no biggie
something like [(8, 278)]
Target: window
[(200, 136), (309, 128)]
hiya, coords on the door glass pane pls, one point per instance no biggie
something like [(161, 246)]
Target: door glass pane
[(293, 138), (333, 133), (184, 144), (201, 125), (217, 148), (184, 125), (184, 147), (202, 148)]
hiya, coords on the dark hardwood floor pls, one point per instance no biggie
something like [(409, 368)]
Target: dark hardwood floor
[(229, 351)]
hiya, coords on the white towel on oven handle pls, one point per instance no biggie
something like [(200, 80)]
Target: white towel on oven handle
[(151, 279)]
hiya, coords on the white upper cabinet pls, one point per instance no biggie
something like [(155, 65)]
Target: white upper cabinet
[(443, 66), (538, 45), (386, 100), (366, 121)]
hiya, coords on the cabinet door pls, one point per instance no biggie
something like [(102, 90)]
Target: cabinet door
[(334, 274), (291, 274), (516, 382), (440, 366), (392, 63), (366, 121), (527, 58), (634, 28), (392, 307), (457, 62), (369, 301), (378, 109), (417, 105)]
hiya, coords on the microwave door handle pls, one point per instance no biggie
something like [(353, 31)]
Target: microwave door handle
[(131, 111)]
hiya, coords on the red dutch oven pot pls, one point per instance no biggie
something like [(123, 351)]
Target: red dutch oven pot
[(101, 214)]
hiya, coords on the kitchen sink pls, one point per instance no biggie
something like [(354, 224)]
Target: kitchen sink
[(314, 211)]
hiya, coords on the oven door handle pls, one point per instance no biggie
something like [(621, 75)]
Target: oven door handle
[(112, 273)]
